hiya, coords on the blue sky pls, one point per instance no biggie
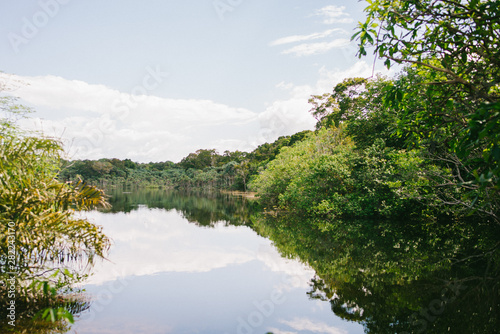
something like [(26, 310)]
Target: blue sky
[(155, 80)]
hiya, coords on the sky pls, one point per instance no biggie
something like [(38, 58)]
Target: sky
[(156, 80)]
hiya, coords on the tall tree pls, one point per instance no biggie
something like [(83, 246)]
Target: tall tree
[(450, 98)]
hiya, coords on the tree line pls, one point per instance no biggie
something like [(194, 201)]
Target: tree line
[(394, 199), (204, 169)]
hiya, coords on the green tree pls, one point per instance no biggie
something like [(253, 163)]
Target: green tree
[(41, 239), (327, 178), (449, 101), (200, 159), (102, 167), (458, 39), (293, 162), (358, 104), (243, 171), (228, 156)]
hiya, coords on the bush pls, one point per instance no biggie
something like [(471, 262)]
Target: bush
[(41, 240), (326, 177)]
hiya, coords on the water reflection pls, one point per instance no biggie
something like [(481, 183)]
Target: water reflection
[(168, 275), (397, 277), (150, 241), (201, 208)]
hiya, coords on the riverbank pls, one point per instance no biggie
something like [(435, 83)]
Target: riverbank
[(245, 194)]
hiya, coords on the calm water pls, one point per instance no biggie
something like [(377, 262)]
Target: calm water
[(186, 263)]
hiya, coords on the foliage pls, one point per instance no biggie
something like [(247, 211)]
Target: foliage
[(203, 208), (424, 153), (203, 169), (358, 103), (38, 205), (451, 97), (41, 238), (10, 112), (292, 163), (462, 36), (200, 159), (453, 180), (325, 177)]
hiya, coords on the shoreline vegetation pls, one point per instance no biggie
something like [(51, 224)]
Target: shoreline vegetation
[(45, 248), (205, 169), (244, 194)]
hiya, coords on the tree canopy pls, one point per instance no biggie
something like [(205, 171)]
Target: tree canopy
[(448, 99)]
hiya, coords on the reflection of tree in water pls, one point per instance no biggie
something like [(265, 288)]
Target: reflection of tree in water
[(202, 208), (398, 278), (28, 311)]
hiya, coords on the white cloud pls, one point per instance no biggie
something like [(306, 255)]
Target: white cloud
[(95, 121), (298, 275), (327, 79), (300, 38), (334, 14), (291, 115), (308, 49), (145, 245), (302, 324)]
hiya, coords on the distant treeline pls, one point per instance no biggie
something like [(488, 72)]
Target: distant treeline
[(203, 169)]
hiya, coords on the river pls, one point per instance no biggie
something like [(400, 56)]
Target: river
[(192, 263)]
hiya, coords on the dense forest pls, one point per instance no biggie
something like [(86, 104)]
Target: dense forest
[(204, 169)]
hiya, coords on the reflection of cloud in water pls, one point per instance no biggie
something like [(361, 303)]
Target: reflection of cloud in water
[(302, 324), (297, 274), (151, 241), (125, 326), (166, 272)]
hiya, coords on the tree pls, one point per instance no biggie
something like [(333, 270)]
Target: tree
[(200, 159), (450, 97), (102, 167), (243, 171), (228, 173), (463, 36), (228, 156), (358, 104), (41, 239)]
